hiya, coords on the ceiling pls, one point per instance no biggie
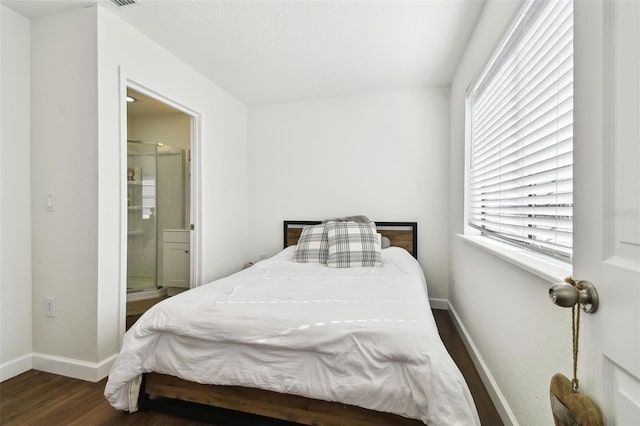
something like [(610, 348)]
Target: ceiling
[(278, 51)]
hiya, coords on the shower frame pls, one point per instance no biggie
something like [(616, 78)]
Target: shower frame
[(132, 233)]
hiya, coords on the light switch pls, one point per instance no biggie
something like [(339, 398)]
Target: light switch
[(51, 202)]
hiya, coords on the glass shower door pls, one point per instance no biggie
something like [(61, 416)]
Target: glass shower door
[(170, 198), (142, 224)]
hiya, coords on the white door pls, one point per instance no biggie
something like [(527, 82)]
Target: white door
[(607, 201)]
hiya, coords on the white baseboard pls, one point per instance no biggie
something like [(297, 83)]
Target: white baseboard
[(498, 399), (83, 370), (104, 367), (69, 367), (439, 303), (15, 367)]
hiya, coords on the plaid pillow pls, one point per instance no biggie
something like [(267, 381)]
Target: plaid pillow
[(353, 244), (312, 245)]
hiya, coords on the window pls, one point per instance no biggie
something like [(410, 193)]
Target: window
[(520, 187), (148, 196)]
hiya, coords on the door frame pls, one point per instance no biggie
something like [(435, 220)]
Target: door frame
[(195, 188)]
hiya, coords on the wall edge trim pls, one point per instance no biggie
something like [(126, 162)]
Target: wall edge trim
[(15, 367), (439, 303), (74, 368)]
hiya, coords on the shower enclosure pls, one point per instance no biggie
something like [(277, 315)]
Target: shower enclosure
[(155, 201)]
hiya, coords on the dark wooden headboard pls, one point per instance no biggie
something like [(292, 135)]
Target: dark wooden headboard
[(401, 234)]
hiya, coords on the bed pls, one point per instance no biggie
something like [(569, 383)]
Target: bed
[(301, 342)]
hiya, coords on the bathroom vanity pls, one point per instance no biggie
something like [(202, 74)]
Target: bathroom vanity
[(176, 260)]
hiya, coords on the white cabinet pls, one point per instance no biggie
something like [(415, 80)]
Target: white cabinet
[(176, 259)]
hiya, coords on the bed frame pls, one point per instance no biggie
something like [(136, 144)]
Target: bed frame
[(401, 234), (276, 405)]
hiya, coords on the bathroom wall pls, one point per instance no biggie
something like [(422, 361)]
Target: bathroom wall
[(169, 129)]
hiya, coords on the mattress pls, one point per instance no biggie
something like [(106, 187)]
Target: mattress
[(360, 336)]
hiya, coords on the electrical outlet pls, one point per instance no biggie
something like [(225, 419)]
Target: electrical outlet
[(50, 306)]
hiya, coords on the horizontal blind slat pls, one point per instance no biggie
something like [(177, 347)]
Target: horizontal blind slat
[(544, 177)]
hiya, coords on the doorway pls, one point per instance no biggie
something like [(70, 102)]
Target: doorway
[(158, 175)]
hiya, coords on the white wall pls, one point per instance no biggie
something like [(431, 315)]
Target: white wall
[(81, 61), (64, 160), (522, 337), (15, 188), (124, 53), (382, 155)]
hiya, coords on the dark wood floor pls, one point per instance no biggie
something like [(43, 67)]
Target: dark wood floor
[(37, 398), (453, 342)]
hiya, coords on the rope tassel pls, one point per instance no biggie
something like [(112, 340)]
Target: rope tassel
[(575, 332), (570, 407)]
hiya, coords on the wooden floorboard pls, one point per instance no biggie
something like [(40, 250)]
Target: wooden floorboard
[(38, 398), (454, 344)]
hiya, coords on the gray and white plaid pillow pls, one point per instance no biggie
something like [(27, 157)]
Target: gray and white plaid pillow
[(353, 244), (312, 245)]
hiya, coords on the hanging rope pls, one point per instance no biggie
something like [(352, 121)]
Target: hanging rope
[(575, 331), (570, 407)]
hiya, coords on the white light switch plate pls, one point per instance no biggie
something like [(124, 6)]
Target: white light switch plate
[(50, 205)]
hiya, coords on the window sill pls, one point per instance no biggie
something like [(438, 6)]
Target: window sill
[(544, 267)]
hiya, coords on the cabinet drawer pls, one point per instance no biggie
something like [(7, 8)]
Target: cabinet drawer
[(176, 236)]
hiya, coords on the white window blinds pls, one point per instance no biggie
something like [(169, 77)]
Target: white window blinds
[(521, 168)]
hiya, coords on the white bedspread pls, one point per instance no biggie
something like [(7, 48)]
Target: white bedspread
[(361, 336)]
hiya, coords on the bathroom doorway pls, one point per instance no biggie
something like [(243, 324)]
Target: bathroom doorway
[(158, 176)]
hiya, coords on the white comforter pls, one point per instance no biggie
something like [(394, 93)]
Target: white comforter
[(361, 336)]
